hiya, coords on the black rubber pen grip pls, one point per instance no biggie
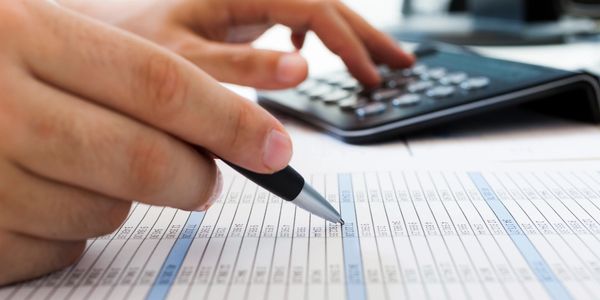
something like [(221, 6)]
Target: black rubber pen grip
[(286, 183)]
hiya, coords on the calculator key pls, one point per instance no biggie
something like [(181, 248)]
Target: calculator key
[(350, 84), (398, 82), (307, 85), (371, 109), (384, 71), (352, 103), (407, 100), (419, 86), (441, 91), (337, 78), (319, 91), (455, 78), (385, 94), (418, 69), (475, 83), (434, 74), (334, 96), (406, 73)]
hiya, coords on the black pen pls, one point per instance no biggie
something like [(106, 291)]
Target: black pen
[(290, 186)]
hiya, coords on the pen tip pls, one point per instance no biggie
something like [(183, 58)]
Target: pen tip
[(342, 222)]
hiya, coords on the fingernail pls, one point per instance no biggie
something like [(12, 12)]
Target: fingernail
[(411, 57), (217, 189), (375, 78), (277, 150), (291, 68)]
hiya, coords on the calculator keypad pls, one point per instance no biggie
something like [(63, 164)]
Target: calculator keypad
[(440, 87), (401, 89)]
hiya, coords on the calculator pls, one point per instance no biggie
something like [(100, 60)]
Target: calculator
[(441, 87)]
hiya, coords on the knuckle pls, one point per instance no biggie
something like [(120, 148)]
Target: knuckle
[(244, 61), (321, 6), (165, 87), (149, 166), (189, 46), (50, 126), (63, 136)]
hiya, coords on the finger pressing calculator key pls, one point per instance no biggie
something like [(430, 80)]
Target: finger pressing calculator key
[(441, 87)]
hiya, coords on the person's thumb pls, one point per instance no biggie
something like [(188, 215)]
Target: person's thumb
[(244, 65)]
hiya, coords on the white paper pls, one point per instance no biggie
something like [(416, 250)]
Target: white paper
[(502, 232), (513, 135)]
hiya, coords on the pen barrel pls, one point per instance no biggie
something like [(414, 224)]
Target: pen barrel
[(286, 183)]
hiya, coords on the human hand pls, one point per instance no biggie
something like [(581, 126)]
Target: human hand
[(91, 118), (214, 34)]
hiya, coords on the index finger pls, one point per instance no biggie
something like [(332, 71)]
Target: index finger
[(341, 30), (320, 16), (381, 46)]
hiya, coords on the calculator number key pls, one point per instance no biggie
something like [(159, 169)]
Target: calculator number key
[(371, 109), (319, 91), (420, 86), (455, 78), (334, 96), (407, 100), (475, 83), (385, 94), (352, 103), (440, 92)]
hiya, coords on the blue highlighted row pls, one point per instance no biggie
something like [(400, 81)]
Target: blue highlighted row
[(537, 263), (355, 283), (171, 266)]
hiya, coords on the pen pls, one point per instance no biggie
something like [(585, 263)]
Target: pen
[(289, 185)]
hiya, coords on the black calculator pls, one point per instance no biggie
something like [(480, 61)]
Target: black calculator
[(442, 86)]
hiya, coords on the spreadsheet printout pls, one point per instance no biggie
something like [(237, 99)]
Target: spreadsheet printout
[(412, 234)]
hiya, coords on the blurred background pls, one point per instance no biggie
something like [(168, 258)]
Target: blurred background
[(532, 31), (486, 22)]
